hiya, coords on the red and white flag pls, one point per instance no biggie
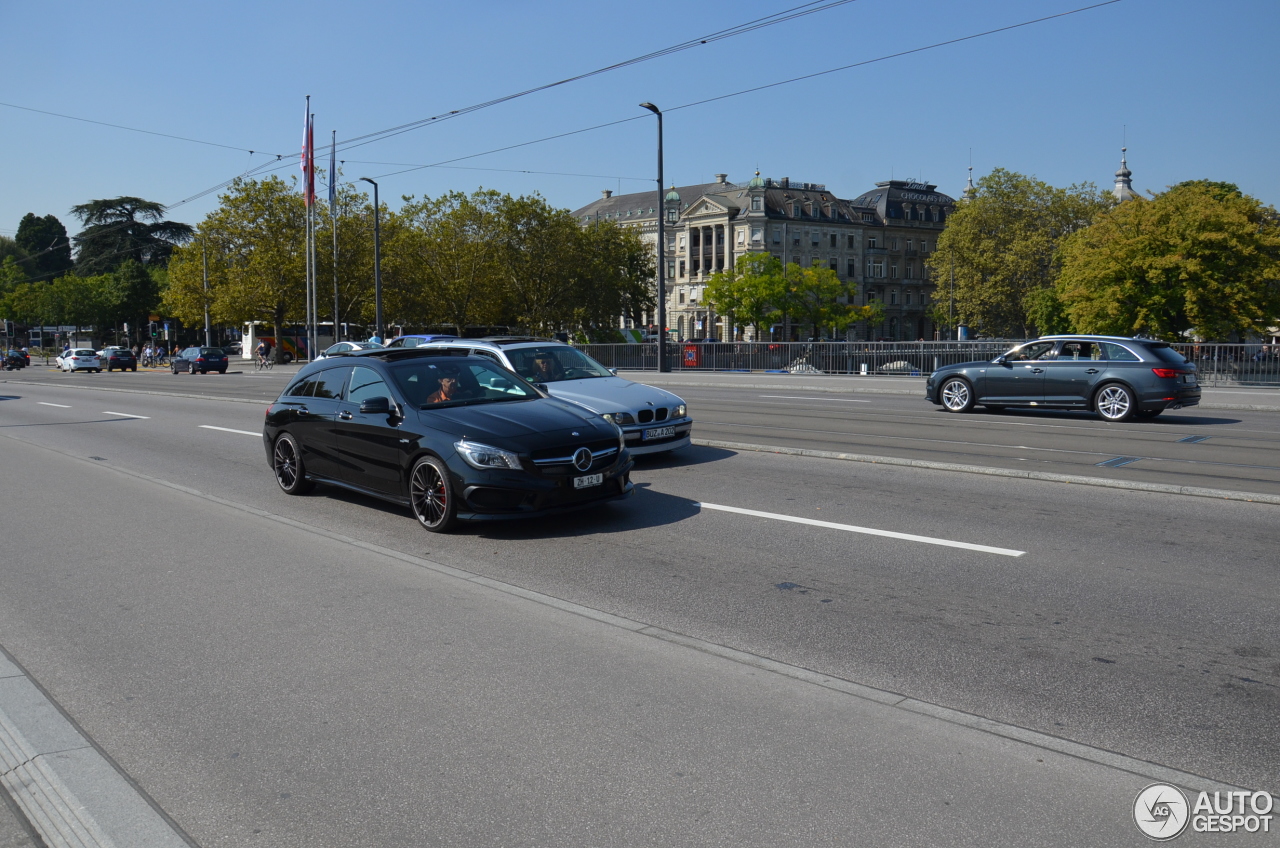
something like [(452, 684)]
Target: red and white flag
[(308, 156)]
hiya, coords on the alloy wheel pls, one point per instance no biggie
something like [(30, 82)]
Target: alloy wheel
[(1114, 403), (956, 396), (430, 497)]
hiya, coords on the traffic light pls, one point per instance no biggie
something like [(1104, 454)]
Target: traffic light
[(153, 329)]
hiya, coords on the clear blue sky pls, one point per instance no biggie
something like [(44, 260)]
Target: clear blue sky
[(1194, 82)]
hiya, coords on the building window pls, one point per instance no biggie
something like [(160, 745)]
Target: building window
[(924, 246), (681, 267), (777, 236), (893, 272), (909, 298), (833, 237), (834, 266), (816, 237), (795, 210), (853, 269), (742, 236), (795, 240), (873, 242), (910, 245), (682, 298), (849, 242), (757, 235), (869, 217), (897, 245), (907, 272), (680, 242), (671, 270), (757, 204), (893, 297)]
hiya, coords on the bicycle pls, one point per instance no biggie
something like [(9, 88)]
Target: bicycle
[(264, 363)]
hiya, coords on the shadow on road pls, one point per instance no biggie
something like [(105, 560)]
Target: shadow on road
[(1173, 418), (692, 455)]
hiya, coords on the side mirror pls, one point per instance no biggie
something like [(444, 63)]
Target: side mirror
[(1001, 359), (613, 371), (375, 406)]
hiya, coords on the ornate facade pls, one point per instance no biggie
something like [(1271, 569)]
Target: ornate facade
[(877, 245)]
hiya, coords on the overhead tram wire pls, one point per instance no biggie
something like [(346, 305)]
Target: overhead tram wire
[(884, 58), (800, 11), (134, 129), (502, 170)]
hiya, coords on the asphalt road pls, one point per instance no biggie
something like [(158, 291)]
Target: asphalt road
[(1137, 623)]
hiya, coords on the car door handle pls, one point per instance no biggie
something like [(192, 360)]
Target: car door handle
[(301, 410), (1036, 370), (344, 415), (1091, 371)]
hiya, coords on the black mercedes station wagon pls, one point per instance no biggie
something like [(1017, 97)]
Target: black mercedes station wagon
[(452, 437), (1119, 378)]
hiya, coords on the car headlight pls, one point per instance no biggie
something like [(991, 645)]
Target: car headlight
[(619, 418), (682, 410), (485, 457)]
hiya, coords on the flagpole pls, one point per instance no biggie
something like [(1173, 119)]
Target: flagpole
[(306, 202), (333, 224), (315, 303)]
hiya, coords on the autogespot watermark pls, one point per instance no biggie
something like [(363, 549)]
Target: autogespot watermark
[(1162, 812)]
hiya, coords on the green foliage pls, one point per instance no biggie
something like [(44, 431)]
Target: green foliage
[(125, 228), (1046, 312), (750, 292), (813, 298), (44, 241), (1002, 244), (1201, 257), (9, 249), (614, 275)]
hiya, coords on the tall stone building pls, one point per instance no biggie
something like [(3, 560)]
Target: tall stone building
[(877, 244)]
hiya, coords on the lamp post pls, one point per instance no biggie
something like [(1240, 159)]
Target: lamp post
[(204, 261), (377, 264), (663, 365)]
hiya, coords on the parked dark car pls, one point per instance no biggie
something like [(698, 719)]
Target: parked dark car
[(451, 437), (119, 357), (1117, 377), (199, 360), (15, 359)]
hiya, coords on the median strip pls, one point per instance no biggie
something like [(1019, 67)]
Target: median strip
[(869, 531)]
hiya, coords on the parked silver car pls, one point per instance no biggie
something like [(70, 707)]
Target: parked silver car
[(652, 419)]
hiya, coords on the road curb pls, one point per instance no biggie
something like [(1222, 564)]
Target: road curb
[(1159, 488), (70, 792)]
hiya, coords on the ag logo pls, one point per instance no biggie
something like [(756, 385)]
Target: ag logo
[(1161, 812)]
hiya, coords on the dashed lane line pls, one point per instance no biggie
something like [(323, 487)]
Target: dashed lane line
[(228, 430), (126, 414), (59, 405), (870, 531)]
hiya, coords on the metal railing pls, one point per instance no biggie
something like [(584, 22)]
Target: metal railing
[(1218, 364)]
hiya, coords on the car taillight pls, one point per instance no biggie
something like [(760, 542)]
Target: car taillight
[(1164, 372), (199, 359)]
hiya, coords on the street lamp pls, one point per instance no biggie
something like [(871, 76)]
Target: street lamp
[(663, 365), (377, 264)]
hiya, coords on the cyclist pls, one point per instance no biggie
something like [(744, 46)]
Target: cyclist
[(264, 352)]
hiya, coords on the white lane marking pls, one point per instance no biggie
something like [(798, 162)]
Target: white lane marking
[(59, 405), (795, 397), (125, 414), (928, 540), (228, 430)]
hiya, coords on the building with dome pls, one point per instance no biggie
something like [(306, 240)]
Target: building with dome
[(1124, 184), (876, 243)]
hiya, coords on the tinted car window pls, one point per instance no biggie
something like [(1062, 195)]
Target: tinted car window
[(365, 384), (1118, 353), (1034, 350), (1167, 354), (302, 388), (1074, 351), (553, 363), (329, 383)]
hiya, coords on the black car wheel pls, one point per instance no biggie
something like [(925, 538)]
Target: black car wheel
[(433, 503), (1114, 402), (173, 369), (957, 395), (286, 459)]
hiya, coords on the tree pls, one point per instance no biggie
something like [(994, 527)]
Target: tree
[(1002, 242), (1201, 257), (614, 277), (45, 245), (440, 265), (255, 245), (750, 292), (9, 248), (815, 296), (534, 242), (125, 228)]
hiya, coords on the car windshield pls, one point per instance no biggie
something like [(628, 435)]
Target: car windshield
[(554, 363), (215, 351), (429, 384)]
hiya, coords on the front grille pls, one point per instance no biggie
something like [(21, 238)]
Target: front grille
[(560, 460), (660, 414), (645, 416)]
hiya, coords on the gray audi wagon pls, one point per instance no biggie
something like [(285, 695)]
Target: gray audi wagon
[(1119, 378)]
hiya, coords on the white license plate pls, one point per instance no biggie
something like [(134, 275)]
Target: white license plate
[(1190, 378), (659, 433), (587, 481)]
